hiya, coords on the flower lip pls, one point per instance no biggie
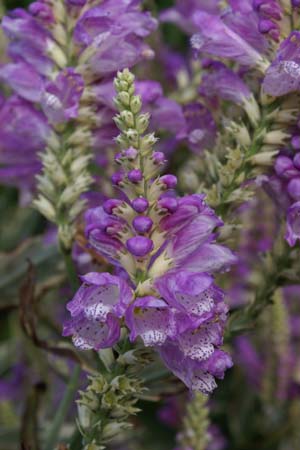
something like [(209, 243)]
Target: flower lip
[(139, 246)]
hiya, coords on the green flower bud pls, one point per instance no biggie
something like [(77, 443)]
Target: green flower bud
[(136, 104), (142, 123), (128, 118)]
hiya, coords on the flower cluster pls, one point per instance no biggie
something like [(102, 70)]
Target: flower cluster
[(64, 54), (164, 251)]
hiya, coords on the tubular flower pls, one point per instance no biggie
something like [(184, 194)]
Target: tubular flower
[(61, 53), (165, 249)]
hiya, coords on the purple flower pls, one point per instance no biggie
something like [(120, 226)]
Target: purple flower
[(119, 18), (152, 320), (244, 21), (283, 75), (184, 10), (23, 132), (191, 292), (192, 372), (96, 309), (101, 231), (60, 100), (94, 334), (116, 32), (166, 246), (23, 79), (293, 224), (201, 128), (226, 84), (28, 40), (100, 294), (216, 38)]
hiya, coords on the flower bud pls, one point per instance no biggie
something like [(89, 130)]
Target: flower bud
[(127, 76), (132, 136), (159, 158), (142, 224), (118, 158), (296, 161), (276, 137), (168, 203), (135, 176), (131, 153), (139, 246), (135, 104), (128, 118), (124, 98), (148, 141), (284, 167), (110, 204), (140, 204), (295, 141), (170, 181), (142, 123), (294, 188), (117, 177)]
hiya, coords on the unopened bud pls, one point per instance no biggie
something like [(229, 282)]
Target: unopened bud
[(276, 137), (264, 159), (135, 104), (46, 208), (128, 118), (142, 123), (124, 98)]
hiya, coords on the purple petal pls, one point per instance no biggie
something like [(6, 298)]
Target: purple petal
[(186, 369), (201, 127), (191, 292), (23, 79), (60, 101), (151, 319), (226, 84), (101, 294), (209, 258), (293, 224), (218, 39), (91, 334), (283, 76), (199, 345)]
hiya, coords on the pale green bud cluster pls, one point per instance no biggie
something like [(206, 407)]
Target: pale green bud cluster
[(194, 432), (250, 147), (278, 354), (65, 177), (105, 407), (66, 159), (130, 120)]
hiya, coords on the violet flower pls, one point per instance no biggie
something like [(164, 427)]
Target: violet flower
[(57, 64), (283, 75), (166, 246)]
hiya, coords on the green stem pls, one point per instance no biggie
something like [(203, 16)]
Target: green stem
[(76, 440), (244, 319), (70, 268), (247, 167), (63, 409)]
